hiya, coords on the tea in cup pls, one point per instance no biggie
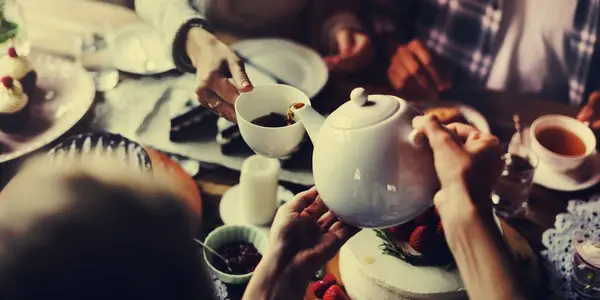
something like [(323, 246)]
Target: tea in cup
[(263, 122), (561, 142)]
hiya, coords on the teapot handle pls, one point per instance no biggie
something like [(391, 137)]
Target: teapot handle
[(417, 138)]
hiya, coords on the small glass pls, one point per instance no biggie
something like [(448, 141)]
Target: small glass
[(96, 53), (514, 186), (585, 276)]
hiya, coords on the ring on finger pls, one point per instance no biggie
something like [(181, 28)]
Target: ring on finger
[(216, 105)]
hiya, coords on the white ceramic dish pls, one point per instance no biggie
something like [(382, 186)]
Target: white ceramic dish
[(555, 161), (272, 142), (550, 178), (229, 234), (295, 64), (230, 207), (142, 50), (65, 94)]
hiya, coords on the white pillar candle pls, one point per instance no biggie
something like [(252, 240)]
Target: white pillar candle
[(258, 189)]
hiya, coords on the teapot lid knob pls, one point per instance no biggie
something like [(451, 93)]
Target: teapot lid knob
[(359, 96)]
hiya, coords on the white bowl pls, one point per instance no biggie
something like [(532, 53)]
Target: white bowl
[(229, 234)]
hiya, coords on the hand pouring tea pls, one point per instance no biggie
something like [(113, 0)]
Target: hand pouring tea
[(369, 167)]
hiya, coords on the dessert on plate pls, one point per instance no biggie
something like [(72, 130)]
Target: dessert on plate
[(19, 68), (14, 104), (406, 262)]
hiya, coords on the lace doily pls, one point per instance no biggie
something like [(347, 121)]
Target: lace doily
[(558, 257), (220, 288)]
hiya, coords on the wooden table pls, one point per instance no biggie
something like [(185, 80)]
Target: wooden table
[(497, 107)]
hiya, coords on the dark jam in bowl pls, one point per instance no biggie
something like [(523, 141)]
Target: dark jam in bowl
[(242, 258)]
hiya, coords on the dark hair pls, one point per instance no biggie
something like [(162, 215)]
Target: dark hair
[(107, 241)]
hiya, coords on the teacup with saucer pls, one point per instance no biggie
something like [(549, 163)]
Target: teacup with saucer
[(567, 152)]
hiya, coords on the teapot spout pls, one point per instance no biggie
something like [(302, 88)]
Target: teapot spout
[(310, 118)]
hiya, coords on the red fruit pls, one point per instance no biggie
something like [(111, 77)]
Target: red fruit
[(318, 288), (329, 280), (422, 238), (8, 82), (12, 52), (335, 292)]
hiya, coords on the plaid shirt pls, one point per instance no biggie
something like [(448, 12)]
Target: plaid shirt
[(464, 32)]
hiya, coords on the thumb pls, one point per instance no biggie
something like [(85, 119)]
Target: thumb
[(238, 72), (440, 138), (342, 38)]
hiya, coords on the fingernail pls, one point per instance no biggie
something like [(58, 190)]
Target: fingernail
[(246, 84)]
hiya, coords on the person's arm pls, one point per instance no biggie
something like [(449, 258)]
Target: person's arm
[(174, 18), (327, 16), (478, 249)]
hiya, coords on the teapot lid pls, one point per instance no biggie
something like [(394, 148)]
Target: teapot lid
[(363, 110)]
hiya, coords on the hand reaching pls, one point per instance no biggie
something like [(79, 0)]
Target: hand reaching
[(464, 158), (214, 63), (416, 73), (308, 233), (355, 51), (590, 113)]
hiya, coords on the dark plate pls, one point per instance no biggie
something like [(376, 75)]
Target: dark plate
[(103, 143)]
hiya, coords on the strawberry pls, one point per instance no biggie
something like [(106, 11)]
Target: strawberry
[(12, 52), (318, 288), (7, 81), (422, 238), (335, 292), (329, 280)]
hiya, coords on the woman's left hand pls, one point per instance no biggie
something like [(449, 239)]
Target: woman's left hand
[(355, 51)]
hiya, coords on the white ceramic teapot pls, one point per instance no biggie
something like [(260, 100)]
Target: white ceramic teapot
[(371, 170)]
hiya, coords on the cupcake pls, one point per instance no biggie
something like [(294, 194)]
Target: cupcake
[(19, 68), (13, 105)]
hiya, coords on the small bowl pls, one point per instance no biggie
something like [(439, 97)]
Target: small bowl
[(229, 234)]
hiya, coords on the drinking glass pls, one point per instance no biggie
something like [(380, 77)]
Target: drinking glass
[(96, 52), (585, 275), (511, 193)]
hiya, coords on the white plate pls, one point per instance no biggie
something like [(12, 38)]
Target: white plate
[(230, 208), (295, 64), (141, 49), (475, 118), (551, 179), (65, 93)]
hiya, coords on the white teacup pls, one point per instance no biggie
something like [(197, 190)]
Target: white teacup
[(556, 161), (273, 142)]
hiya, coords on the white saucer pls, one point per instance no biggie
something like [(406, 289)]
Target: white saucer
[(141, 50), (230, 208), (565, 182), (558, 181), (295, 64)]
